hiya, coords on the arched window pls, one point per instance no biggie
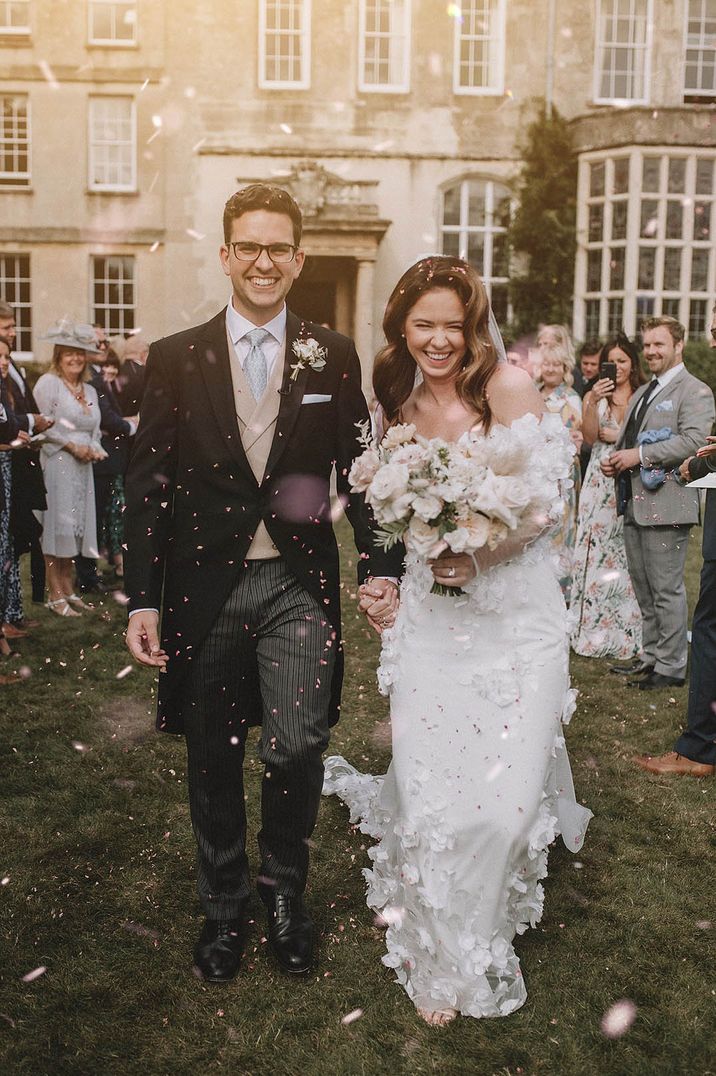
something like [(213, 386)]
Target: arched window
[(475, 218)]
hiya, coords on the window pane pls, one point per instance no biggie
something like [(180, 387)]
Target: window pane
[(619, 220), (499, 302), (621, 175), (476, 251), (697, 317), (596, 178), (672, 269), (670, 308), (647, 267), (594, 270), (591, 319), (704, 176), (476, 210), (699, 270), (451, 244), (596, 222), (677, 175), (616, 268), (674, 220), (702, 220), (649, 224), (451, 206), (15, 290), (615, 315), (650, 173)]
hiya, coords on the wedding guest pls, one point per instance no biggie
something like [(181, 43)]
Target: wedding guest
[(555, 386), (130, 380), (109, 473), (666, 421), (69, 449), (9, 431), (550, 337), (588, 365), (604, 613), (695, 750)]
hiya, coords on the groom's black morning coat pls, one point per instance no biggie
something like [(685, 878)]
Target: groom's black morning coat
[(193, 503)]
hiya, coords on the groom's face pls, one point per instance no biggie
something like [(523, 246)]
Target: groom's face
[(260, 286)]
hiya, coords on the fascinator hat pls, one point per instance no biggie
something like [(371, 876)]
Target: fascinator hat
[(75, 334)]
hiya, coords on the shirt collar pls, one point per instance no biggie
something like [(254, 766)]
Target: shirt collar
[(239, 326), (664, 379)]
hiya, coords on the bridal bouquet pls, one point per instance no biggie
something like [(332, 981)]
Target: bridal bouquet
[(433, 494)]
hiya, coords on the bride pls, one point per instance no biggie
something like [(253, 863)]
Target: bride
[(479, 784)]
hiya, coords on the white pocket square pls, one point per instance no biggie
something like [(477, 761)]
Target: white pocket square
[(316, 397), (665, 405)]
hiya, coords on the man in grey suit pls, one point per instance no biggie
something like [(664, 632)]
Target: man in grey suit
[(667, 420)]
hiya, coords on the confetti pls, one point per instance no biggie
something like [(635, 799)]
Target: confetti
[(349, 1018), (124, 672), (34, 974), (618, 1018)]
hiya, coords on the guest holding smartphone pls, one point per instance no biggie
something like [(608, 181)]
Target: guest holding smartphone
[(606, 621)]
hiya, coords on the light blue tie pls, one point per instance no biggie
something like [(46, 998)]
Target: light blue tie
[(255, 366)]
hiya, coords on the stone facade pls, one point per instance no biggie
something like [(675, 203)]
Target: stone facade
[(371, 168)]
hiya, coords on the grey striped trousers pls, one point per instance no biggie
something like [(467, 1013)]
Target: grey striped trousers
[(270, 650)]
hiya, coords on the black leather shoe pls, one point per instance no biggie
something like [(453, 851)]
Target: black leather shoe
[(290, 933), (635, 668), (656, 680), (218, 951)]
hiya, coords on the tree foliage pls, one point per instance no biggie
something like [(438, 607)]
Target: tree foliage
[(542, 232)]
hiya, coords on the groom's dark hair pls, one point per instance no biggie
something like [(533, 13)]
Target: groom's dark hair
[(262, 196)]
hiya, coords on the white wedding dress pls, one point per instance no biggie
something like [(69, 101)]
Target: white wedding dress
[(480, 783)]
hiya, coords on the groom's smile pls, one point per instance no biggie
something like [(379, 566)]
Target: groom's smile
[(260, 285)]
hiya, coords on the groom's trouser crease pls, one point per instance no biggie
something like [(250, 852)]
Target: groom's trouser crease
[(273, 633)]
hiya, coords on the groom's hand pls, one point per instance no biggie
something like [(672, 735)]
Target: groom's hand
[(143, 639), (379, 601)]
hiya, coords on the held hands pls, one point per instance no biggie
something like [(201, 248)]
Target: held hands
[(378, 599), (142, 640), (42, 423)]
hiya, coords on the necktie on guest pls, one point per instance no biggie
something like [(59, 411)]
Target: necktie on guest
[(638, 415), (255, 365)]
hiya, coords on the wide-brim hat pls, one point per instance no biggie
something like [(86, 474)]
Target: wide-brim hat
[(75, 334)]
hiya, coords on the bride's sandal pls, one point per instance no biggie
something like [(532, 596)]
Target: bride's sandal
[(80, 603), (437, 1017), (61, 607)]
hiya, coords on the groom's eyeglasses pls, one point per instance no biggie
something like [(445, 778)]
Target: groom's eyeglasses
[(279, 253)]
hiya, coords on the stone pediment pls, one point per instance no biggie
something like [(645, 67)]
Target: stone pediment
[(325, 196)]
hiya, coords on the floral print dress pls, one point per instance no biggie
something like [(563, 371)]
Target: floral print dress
[(604, 614)]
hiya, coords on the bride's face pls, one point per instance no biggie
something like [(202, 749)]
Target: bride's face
[(434, 334)]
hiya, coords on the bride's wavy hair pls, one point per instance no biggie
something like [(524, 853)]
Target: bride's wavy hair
[(394, 369)]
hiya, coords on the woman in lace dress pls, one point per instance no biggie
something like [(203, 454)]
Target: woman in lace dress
[(69, 526), (479, 784), (605, 616)]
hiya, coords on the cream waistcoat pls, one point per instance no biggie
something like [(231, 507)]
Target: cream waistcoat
[(257, 425)]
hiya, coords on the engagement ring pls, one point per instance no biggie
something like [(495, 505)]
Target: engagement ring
[(451, 571)]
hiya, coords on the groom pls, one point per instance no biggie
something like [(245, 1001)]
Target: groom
[(229, 532)]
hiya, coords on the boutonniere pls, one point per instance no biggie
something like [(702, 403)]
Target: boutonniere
[(308, 352)]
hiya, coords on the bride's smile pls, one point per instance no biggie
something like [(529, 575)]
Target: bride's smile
[(434, 334)]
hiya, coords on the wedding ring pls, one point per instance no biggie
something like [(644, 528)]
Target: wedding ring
[(451, 571)]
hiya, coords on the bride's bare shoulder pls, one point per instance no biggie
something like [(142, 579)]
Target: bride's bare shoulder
[(512, 393)]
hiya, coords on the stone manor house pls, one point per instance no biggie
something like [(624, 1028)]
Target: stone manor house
[(396, 124)]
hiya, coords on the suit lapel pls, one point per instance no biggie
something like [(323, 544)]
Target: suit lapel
[(216, 371), (291, 395)]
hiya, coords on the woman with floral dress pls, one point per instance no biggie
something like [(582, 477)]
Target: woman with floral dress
[(605, 616)]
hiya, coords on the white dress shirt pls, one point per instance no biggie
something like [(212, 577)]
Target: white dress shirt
[(20, 382), (238, 327)]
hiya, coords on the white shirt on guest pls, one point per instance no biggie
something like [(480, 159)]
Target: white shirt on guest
[(662, 381), (238, 326)]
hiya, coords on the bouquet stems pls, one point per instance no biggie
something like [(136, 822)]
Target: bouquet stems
[(446, 592)]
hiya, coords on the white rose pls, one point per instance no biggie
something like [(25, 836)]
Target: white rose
[(473, 535), (398, 435), (364, 470), (427, 507), (390, 482), (420, 538), (394, 511)]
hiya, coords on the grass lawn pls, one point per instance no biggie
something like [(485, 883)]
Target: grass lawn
[(96, 858)]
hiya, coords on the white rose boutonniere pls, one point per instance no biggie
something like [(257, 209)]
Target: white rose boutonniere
[(308, 352)]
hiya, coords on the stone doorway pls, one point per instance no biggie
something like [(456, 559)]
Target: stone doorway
[(325, 292)]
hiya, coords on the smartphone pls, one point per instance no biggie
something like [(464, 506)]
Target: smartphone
[(609, 369)]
